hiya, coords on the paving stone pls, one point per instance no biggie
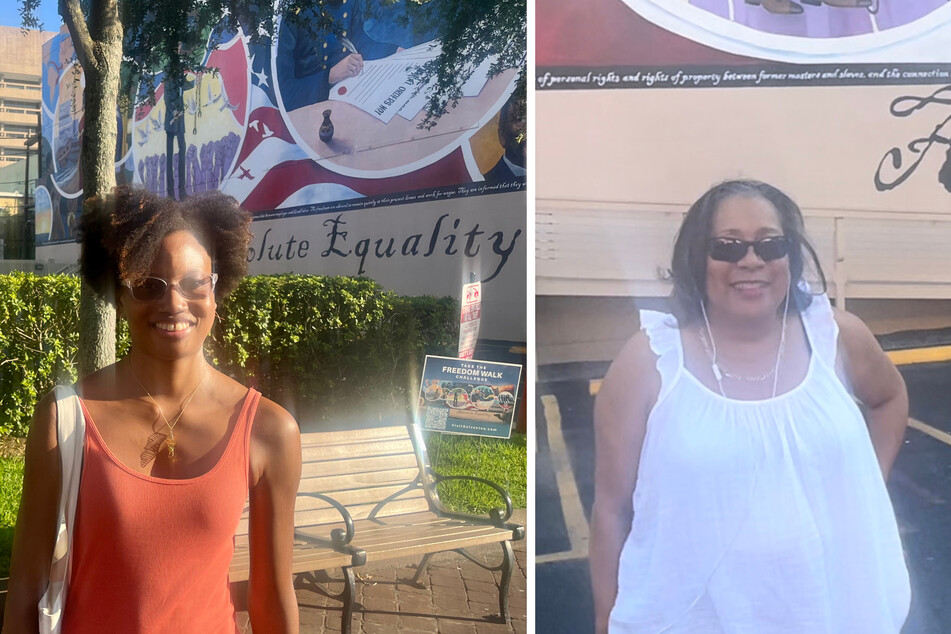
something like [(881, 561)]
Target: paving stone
[(445, 578), (380, 590), (453, 607), (458, 588), (416, 605), (378, 604), (456, 596), (381, 628), (485, 610), (491, 598), (494, 628), (380, 619), (480, 586), (418, 623), (448, 626), (378, 574)]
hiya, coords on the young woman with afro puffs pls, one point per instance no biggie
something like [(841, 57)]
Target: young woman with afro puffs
[(173, 447)]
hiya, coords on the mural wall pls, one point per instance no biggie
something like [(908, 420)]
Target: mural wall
[(323, 142), (845, 103)]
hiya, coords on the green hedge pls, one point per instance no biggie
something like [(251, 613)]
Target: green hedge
[(320, 346), (38, 339), (327, 345)]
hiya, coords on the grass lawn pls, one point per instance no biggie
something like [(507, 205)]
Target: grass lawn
[(11, 483), (504, 462)]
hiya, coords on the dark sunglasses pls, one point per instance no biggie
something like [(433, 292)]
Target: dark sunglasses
[(152, 289), (732, 250)]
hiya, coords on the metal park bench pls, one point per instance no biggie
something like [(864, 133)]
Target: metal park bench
[(369, 495)]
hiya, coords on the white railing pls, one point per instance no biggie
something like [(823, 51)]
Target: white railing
[(35, 87)]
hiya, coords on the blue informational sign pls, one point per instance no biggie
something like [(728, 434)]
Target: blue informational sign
[(465, 396)]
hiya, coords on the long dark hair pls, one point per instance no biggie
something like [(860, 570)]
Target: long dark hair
[(688, 268)]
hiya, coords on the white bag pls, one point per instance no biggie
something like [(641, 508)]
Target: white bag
[(70, 434)]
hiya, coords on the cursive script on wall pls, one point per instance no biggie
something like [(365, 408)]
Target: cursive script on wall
[(447, 235), (896, 166)]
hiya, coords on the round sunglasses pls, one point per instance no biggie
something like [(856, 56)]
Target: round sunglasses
[(152, 289), (733, 250)]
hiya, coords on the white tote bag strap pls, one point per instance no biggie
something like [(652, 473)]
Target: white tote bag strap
[(70, 434)]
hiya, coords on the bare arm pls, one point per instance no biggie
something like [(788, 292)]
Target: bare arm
[(36, 522), (276, 469), (878, 385), (620, 421)]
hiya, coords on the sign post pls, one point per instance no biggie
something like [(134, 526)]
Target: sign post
[(469, 319)]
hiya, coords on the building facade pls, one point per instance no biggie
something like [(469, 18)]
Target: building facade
[(21, 55)]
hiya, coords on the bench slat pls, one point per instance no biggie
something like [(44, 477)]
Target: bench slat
[(414, 549), (358, 465), (383, 477), (409, 503), (348, 436), (357, 497), (386, 447)]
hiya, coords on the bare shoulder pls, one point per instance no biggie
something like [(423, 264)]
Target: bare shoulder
[(632, 383), (870, 373), (850, 326), (100, 385), (41, 438), (275, 448), (274, 426), (636, 355), (855, 338)]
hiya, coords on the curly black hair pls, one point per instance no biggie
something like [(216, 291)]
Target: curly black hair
[(120, 236), (689, 263)]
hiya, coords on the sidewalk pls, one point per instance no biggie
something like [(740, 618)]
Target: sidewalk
[(456, 597)]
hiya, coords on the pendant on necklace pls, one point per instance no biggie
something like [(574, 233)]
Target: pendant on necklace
[(170, 443), (152, 446)]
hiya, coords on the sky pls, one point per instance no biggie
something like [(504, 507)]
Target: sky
[(10, 14)]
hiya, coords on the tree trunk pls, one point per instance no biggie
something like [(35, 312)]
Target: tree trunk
[(97, 331), (97, 335)]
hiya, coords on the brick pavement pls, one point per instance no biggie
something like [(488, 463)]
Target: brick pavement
[(456, 597)]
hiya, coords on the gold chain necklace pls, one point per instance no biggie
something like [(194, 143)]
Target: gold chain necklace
[(149, 452)]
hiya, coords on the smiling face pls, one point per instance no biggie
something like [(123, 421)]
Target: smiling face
[(173, 326), (750, 288)]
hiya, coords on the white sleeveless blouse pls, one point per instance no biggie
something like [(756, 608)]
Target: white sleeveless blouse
[(759, 517)]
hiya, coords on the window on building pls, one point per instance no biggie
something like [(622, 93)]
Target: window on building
[(17, 84), (20, 107), (17, 131)]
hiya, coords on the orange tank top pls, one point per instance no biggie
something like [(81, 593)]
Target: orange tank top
[(151, 555)]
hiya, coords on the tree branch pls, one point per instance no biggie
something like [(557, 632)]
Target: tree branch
[(83, 43), (103, 23)]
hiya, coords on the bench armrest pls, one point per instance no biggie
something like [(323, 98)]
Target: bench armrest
[(498, 515), (340, 538)]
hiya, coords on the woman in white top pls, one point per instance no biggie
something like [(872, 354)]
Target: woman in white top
[(743, 444)]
